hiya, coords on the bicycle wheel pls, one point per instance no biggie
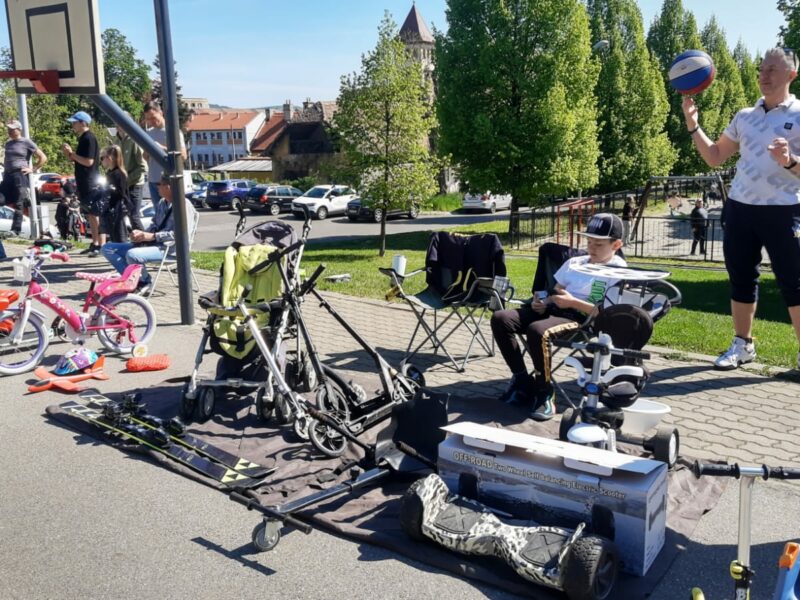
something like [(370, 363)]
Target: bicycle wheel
[(114, 335), (24, 356)]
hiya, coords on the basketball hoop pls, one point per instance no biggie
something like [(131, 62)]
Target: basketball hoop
[(44, 82)]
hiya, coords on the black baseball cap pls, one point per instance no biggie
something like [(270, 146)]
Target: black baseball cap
[(604, 226)]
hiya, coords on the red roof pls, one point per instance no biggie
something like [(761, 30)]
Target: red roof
[(208, 120), (268, 133)]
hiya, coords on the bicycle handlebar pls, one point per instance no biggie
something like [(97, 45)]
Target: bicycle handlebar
[(737, 471), (603, 348), (275, 257)]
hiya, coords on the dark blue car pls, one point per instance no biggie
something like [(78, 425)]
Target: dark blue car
[(228, 192)]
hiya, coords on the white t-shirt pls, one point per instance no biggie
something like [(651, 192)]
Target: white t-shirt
[(589, 288), (759, 179), (158, 135)]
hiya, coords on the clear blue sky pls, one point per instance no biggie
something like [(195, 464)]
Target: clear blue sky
[(247, 53)]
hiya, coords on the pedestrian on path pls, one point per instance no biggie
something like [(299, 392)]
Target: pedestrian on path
[(156, 129), (627, 213), (699, 220), (135, 166), (763, 206), (118, 203), (87, 162)]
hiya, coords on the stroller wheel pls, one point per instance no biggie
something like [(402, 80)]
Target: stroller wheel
[(264, 404), (204, 405), (301, 425), (187, 404)]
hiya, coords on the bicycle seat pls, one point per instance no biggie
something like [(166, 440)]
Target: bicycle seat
[(113, 283)]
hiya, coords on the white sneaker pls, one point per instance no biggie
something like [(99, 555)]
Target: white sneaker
[(739, 353)]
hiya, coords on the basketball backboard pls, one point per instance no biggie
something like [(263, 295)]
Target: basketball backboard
[(57, 34)]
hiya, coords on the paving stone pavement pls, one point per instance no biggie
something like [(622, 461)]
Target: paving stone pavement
[(737, 415)]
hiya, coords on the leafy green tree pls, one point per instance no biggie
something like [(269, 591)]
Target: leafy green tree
[(671, 32), (748, 71), (789, 35), (515, 101), (127, 75), (184, 112), (632, 101), (383, 122)]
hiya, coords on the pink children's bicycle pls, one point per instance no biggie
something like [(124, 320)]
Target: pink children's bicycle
[(121, 319)]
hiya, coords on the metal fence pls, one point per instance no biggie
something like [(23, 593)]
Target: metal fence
[(655, 237)]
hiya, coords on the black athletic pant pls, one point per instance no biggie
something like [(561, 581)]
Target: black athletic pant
[(15, 190), (537, 328), (699, 235), (749, 229)]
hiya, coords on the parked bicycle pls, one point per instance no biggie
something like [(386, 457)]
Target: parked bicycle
[(121, 319)]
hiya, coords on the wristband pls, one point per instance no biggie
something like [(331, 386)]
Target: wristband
[(792, 164), (692, 131)]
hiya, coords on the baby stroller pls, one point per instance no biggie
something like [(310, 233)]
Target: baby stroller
[(241, 367)]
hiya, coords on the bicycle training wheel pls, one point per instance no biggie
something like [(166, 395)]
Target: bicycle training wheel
[(25, 355), (114, 335)]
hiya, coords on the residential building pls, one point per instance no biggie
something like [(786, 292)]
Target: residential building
[(218, 136), (195, 103)]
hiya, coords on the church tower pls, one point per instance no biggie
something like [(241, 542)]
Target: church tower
[(419, 39)]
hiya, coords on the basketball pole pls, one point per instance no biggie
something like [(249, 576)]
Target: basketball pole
[(22, 107)]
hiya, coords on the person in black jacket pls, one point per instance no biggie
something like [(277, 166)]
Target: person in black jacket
[(118, 206), (699, 221)]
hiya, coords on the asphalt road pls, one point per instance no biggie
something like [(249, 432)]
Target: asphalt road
[(216, 228)]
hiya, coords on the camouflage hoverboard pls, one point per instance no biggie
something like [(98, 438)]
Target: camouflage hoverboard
[(583, 566)]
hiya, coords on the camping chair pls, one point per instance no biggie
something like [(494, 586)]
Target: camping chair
[(465, 278), (169, 261), (627, 312)]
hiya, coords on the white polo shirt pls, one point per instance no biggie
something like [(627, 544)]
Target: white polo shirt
[(759, 178)]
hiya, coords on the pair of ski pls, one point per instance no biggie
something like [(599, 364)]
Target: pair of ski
[(128, 420)]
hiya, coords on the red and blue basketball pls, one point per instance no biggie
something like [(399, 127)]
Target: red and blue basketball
[(691, 72)]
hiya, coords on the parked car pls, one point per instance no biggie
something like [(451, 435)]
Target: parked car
[(486, 201), (364, 208), (228, 192), (40, 178), (272, 199), (324, 200), (7, 215), (51, 188), (199, 194)]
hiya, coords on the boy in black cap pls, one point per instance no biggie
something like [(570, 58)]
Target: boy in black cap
[(575, 296)]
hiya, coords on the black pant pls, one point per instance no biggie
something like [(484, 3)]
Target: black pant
[(538, 329), (135, 194), (15, 189), (699, 235)]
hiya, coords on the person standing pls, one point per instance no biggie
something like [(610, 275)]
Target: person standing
[(627, 213), (763, 206), (119, 203), (699, 220), (87, 161), (135, 166), (156, 129), (15, 187)]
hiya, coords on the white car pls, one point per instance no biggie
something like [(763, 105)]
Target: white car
[(323, 200), (6, 217), (487, 201)]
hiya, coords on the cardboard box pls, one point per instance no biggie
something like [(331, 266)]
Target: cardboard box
[(532, 477)]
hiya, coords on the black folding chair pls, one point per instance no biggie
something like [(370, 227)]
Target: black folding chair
[(465, 278)]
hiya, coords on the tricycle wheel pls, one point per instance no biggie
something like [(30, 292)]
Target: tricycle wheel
[(204, 405), (590, 570), (568, 419), (666, 445), (412, 512), (264, 404), (266, 535)]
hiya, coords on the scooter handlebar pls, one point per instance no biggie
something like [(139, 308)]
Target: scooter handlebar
[(715, 469), (735, 470), (253, 504)]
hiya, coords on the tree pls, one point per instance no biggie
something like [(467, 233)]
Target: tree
[(748, 71), (789, 35), (515, 82), (127, 76), (673, 31), (383, 122), (184, 112), (632, 101)]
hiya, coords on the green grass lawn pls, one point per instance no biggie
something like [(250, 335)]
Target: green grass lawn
[(701, 323)]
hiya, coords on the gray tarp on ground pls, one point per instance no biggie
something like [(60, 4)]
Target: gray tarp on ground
[(372, 515)]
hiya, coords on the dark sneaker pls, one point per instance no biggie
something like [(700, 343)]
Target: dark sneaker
[(518, 390), (94, 252), (144, 289), (88, 250), (545, 406)]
